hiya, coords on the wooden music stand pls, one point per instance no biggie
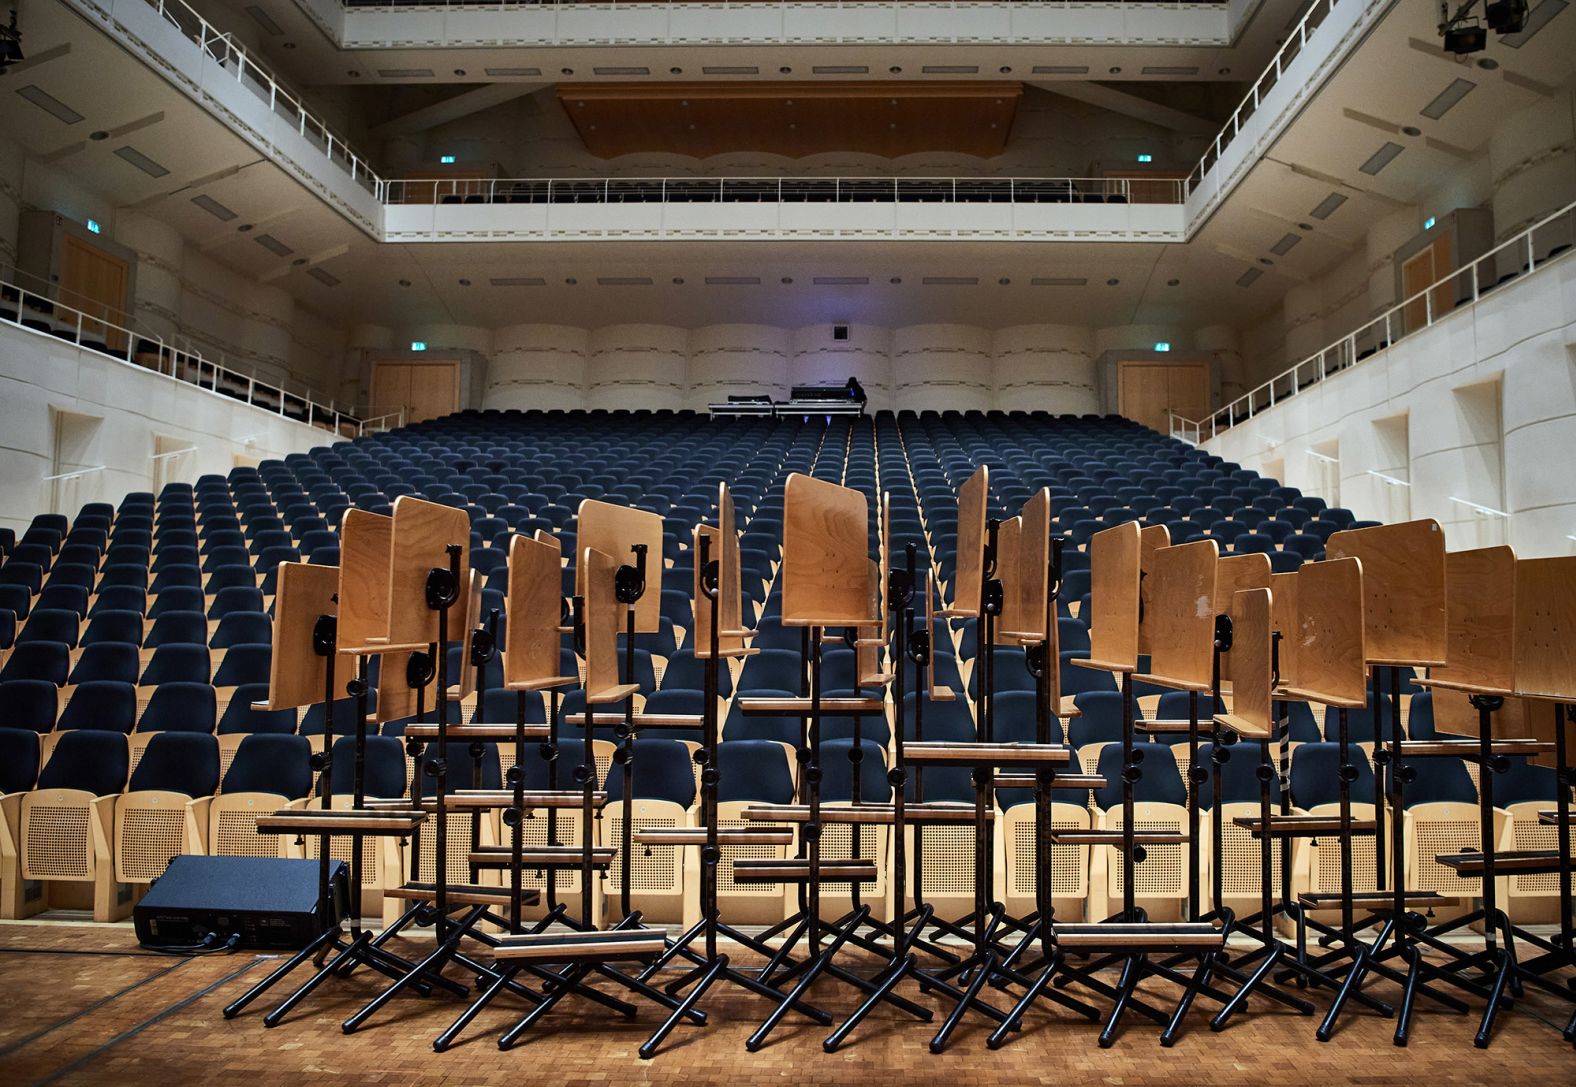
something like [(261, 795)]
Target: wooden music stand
[(604, 616), (1405, 623), (1234, 573), (826, 583), (421, 534), (716, 585), (969, 568), (1180, 618), (617, 531), (305, 645), (1489, 646), (1151, 538), (1115, 560)]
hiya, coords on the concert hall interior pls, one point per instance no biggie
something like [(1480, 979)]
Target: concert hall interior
[(840, 535)]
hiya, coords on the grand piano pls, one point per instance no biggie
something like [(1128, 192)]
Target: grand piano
[(846, 399)]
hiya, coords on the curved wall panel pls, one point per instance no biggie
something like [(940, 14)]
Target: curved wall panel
[(637, 366), (737, 360), (941, 367), (1045, 368), (537, 367)]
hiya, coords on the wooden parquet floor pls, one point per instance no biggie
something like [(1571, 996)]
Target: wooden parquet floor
[(82, 1004)]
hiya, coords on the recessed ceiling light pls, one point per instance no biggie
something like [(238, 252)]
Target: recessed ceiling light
[(273, 245), (1266, 262), (214, 208), (406, 73), (1381, 158), (244, 227), (323, 277), (733, 281), (895, 280), (1411, 130), (1116, 71), (895, 70), (1327, 206), (678, 281), (1223, 71), (1172, 282), (1112, 282), (950, 281), (465, 283), (1447, 99), (571, 281), (298, 262), (1304, 226), (289, 45), (675, 71), (99, 135), (1488, 64), (1060, 69), (1003, 281), (141, 161), (1006, 69), (567, 71), (1058, 281), (49, 104), (353, 74), (838, 281), (404, 283), (1287, 243), (459, 71), (785, 70)]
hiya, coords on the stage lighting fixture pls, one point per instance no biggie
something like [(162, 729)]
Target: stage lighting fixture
[(1465, 40), (10, 43), (1506, 16)]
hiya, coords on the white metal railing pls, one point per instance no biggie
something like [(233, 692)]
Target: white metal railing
[(378, 423), (174, 453), (1552, 235), (1479, 509), (75, 475), (1295, 42), (262, 82), (639, 4), (707, 190), (169, 356), (1389, 481)]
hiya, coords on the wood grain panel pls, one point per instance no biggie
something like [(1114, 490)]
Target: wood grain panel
[(970, 563), (613, 529), (825, 572), (1181, 614), (792, 119), (1403, 588), (1546, 628)]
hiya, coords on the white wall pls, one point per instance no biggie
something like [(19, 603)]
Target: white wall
[(41, 376), (1489, 396), (914, 368)]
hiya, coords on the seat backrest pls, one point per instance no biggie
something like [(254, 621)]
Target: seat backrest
[(178, 762), (96, 762), (29, 704), (38, 660), (754, 770), (240, 717), (1316, 775), (244, 664), (18, 760), (1239, 781), (1441, 781), (385, 767), (178, 628), (1160, 781), (1099, 719), (1523, 782), (180, 707), (1015, 719), (178, 663), (271, 764), (101, 704), (837, 774), (664, 770)]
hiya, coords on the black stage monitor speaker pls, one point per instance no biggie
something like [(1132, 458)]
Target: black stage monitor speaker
[(271, 903)]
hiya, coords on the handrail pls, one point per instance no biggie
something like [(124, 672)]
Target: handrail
[(174, 453), (646, 3), (224, 49), (1294, 43), (1466, 285), (685, 190), (1325, 457), (74, 475), (44, 316), (1390, 480), (379, 423), (1479, 509)]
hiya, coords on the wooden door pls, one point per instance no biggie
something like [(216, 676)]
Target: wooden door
[(94, 282), (1149, 390), (422, 390), (1417, 272)]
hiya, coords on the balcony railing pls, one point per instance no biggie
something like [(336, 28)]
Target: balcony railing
[(755, 190), (170, 356), (1295, 42), (1523, 254), (739, 3), (233, 56)]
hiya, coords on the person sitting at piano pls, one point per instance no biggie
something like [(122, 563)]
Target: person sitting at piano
[(856, 391)]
